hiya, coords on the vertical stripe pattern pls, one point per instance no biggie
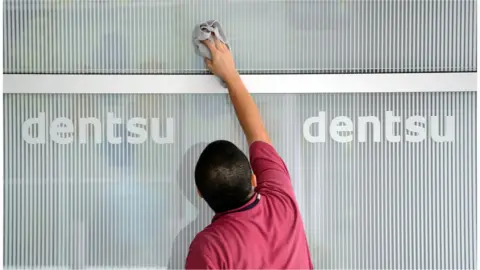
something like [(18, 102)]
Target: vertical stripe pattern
[(271, 36), (100, 193)]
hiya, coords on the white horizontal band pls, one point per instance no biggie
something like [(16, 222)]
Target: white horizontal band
[(207, 84)]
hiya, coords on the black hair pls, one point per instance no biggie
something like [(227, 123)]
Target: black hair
[(223, 176)]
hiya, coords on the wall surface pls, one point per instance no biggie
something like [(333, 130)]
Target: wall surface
[(326, 36), (392, 183), (366, 204)]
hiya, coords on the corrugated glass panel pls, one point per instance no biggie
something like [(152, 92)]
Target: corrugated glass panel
[(280, 36), (85, 195)]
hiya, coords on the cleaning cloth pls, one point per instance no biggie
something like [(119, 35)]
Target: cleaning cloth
[(204, 31)]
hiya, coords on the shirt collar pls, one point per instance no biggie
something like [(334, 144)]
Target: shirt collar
[(252, 202)]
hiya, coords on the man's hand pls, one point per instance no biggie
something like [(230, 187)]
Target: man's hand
[(222, 63)]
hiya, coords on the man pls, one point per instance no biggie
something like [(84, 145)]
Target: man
[(257, 222)]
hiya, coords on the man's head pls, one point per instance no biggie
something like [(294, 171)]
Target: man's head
[(223, 176)]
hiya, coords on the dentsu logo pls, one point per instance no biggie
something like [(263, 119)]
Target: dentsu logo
[(62, 130), (341, 128)]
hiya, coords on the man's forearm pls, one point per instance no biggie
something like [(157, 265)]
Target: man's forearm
[(247, 111), (222, 65)]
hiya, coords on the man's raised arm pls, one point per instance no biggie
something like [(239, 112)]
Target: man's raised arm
[(223, 66), (271, 172)]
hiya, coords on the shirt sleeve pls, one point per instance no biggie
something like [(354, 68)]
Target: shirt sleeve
[(271, 172)]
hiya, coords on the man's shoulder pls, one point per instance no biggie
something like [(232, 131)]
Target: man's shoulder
[(215, 237), (202, 251), (205, 245), (206, 239)]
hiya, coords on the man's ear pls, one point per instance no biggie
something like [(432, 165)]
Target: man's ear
[(199, 194), (254, 180)]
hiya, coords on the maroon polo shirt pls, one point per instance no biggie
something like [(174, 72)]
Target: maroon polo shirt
[(267, 232)]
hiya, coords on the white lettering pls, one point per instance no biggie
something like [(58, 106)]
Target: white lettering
[(132, 126), (419, 130), (169, 138), (40, 121), (342, 128), (111, 121), (320, 120), (390, 127), (347, 127), (97, 128), (449, 129), (362, 128), (61, 130)]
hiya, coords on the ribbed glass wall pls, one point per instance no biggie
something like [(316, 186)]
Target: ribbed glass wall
[(105, 180), (280, 36), (399, 193)]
